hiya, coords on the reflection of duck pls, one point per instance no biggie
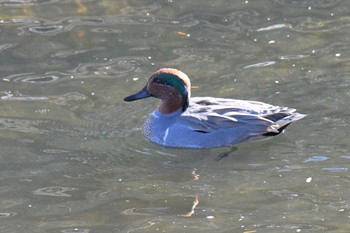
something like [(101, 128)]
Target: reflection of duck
[(205, 122)]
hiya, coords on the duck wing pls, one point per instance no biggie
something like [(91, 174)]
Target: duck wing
[(207, 114)]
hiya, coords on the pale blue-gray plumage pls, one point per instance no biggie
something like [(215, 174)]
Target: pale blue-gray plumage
[(206, 122)]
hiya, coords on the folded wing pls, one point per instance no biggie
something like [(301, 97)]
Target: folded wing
[(207, 114)]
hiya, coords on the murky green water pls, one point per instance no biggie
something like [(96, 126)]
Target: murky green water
[(73, 158)]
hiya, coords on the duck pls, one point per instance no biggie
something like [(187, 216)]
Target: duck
[(182, 121)]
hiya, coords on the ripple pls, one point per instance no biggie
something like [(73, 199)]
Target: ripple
[(273, 27), (293, 57), (335, 169), (54, 151), (203, 54), (238, 21), (89, 20), (133, 211), (31, 78), (70, 96), (25, 98), (260, 64), (106, 30), (5, 95), (14, 3), (102, 194), (23, 21), (48, 29), (38, 79), (316, 158), (116, 66), (297, 227), (307, 3), (145, 211), (286, 194), (3, 47), (44, 27), (68, 53), (7, 214), (54, 191), (76, 230), (21, 125)]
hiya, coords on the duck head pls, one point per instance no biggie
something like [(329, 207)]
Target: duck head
[(169, 85)]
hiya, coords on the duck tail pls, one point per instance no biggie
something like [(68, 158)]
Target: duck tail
[(283, 123), (279, 130)]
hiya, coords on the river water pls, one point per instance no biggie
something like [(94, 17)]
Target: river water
[(73, 158)]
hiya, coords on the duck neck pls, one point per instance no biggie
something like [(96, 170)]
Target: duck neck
[(170, 106)]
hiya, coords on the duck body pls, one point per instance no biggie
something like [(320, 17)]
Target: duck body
[(206, 122)]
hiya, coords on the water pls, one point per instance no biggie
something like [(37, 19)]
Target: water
[(73, 158)]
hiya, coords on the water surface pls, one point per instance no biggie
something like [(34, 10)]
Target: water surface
[(73, 157)]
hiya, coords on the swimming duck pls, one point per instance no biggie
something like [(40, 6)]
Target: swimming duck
[(206, 122)]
